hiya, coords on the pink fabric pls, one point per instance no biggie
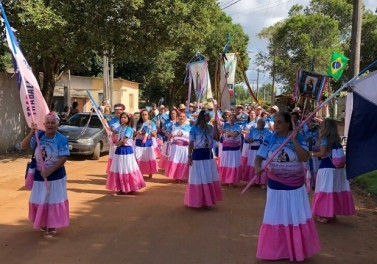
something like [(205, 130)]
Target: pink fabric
[(161, 163), (230, 175), (125, 182), (29, 180), (109, 161), (243, 163), (157, 151), (331, 204), (231, 144), (248, 173), (179, 171), (295, 243), (203, 195), (148, 167), (262, 179), (50, 215)]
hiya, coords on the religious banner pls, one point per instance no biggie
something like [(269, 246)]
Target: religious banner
[(310, 84), (228, 68), (32, 101), (199, 77)]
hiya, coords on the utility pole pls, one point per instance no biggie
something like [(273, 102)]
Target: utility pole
[(355, 58), (355, 38), (273, 80), (257, 83)]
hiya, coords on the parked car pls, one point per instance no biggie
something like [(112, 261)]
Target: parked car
[(86, 134)]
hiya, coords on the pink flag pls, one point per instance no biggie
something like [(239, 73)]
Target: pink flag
[(33, 103)]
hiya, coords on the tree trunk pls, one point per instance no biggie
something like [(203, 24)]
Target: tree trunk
[(48, 81)]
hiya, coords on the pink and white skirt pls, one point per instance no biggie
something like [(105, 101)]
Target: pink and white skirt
[(203, 188), (333, 194), (124, 173), (50, 207), (230, 166), (146, 157), (288, 230), (178, 167)]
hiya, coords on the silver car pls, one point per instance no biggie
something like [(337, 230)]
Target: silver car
[(86, 134)]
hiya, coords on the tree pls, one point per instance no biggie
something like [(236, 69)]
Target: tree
[(58, 35), (306, 39), (368, 39), (151, 40)]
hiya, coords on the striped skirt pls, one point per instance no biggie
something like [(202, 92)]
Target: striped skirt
[(288, 230), (332, 194), (203, 188)]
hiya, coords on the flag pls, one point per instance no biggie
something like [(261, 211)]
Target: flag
[(228, 68), (33, 104), (337, 65), (362, 137)]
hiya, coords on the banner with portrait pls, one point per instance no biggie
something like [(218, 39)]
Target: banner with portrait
[(199, 77), (228, 68), (311, 84)]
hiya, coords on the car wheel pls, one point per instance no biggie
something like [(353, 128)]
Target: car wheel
[(97, 151)]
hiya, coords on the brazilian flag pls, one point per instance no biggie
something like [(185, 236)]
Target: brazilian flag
[(337, 65)]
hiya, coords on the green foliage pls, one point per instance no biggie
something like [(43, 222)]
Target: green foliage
[(368, 52), (151, 40), (306, 39), (368, 181)]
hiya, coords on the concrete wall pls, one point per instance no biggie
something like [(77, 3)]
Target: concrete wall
[(13, 125)]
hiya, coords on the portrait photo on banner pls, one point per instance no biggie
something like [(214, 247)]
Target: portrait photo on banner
[(311, 84)]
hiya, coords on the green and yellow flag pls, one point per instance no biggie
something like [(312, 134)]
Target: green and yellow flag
[(337, 65)]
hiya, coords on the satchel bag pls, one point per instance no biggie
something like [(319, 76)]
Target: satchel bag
[(337, 157), (30, 172), (30, 169)]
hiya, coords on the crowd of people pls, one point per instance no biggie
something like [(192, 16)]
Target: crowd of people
[(206, 148)]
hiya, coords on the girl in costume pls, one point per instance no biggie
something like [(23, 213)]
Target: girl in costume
[(255, 140), (124, 175), (332, 189), (203, 188), (230, 161), (179, 137), (144, 145), (249, 124)]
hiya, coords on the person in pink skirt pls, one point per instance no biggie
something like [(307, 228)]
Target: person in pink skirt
[(288, 230), (179, 137), (332, 189), (255, 139), (249, 124), (230, 160), (165, 159), (113, 124), (203, 189), (144, 145), (48, 203), (124, 175)]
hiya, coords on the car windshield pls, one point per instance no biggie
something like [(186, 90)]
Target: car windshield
[(81, 121)]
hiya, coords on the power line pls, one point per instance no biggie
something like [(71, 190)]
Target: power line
[(229, 5)]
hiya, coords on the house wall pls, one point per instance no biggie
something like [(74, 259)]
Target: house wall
[(13, 127), (123, 90)]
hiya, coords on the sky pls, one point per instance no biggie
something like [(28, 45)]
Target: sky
[(254, 15)]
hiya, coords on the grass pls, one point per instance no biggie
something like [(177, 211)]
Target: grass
[(368, 181)]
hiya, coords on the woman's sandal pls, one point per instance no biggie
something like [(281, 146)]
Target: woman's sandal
[(50, 232), (322, 220)]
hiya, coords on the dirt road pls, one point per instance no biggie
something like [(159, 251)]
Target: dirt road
[(153, 226)]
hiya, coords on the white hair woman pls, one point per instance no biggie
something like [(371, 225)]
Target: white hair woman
[(48, 203)]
